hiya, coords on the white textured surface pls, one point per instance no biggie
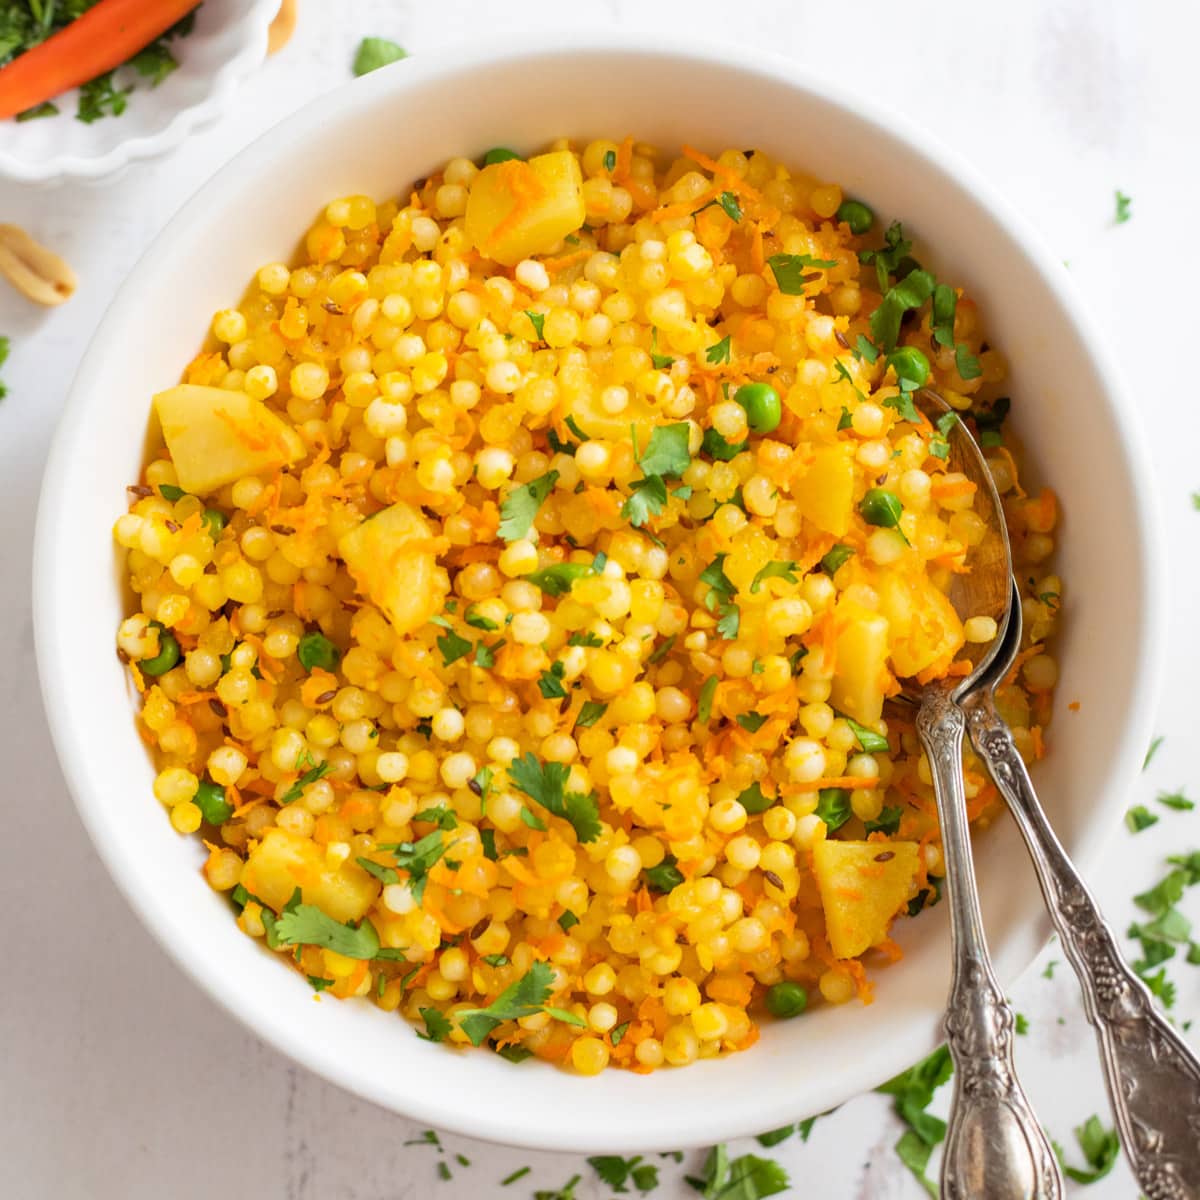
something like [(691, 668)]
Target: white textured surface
[(228, 42), (117, 1078)]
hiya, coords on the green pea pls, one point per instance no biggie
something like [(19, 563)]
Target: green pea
[(881, 507), (761, 402), (167, 656), (210, 800), (499, 154), (910, 364), (316, 650), (857, 215), (214, 521), (786, 999)]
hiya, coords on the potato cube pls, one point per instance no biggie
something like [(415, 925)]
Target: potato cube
[(217, 436), (925, 630), (283, 862), (860, 675), (863, 885), (825, 492), (516, 209), (391, 559)]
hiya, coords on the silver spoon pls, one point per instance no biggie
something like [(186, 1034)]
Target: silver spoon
[(1153, 1078), (995, 1147)]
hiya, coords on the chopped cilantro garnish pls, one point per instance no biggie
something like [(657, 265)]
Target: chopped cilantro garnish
[(315, 772), (557, 579), (485, 656), (704, 706), (169, 491), (888, 257), (453, 647), (870, 741), (544, 783), (1140, 817), (417, 858), (754, 800), (567, 920), (590, 713), (519, 1173), (154, 62), (945, 303), (437, 1027), (308, 925), (375, 52), (837, 557), (939, 446), (887, 822), (728, 201), (660, 361), (912, 1093), (538, 321), (550, 682), (1123, 206), (719, 353), (318, 983), (439, 815), (532, 820), (664, 877), (748, 1177), (521, 505), (833, 807), (667, 451), (584, 639), (1176, 800), (1101, 1147), (774, 570), (903, 404), (715, 446), (865, 348), (1154, 745), (843, 373), (524, 998), (45, 109), (789, 270), (752, 722), (478, 621), (911, 292), (647, 499), (1048, 973), (618, 1033), (965, 363)]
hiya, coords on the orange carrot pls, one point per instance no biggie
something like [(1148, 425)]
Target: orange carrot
[(103, 38)]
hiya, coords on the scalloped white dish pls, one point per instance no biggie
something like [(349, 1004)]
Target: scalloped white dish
[(228, 42)]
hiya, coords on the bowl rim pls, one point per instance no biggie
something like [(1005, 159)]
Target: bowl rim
[(710, 1123), (92, 168)]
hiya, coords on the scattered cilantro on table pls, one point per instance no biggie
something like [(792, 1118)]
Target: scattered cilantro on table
[(912, 1093), (376, 52), (1101, 1148)]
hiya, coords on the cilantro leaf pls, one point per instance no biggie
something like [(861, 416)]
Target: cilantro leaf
[(837, 557), (914, 1153), (774, 570), (939, 446), (1176, 800), (1154, 745), (437, 1026), (1101, 1147), (729, 202), (485, 656), (550, 682), (647, 499), (945, 304), (833, 807), (752, 722), (1139, 817), (584, 639), (789, 271), (912, 1093), (558, 578), (865, 348), (453, 647), (719, 353), (664, 877), (100, 98), (870, 741), (660, 361), (911, 292), (590, 713), (667, 453), (521, 504), (538, 321), (567, 920), (715, 446), (1165, 894), (1048, 973), (754, 800), (532, 820), (888, 257), (617, 1172), (965, 363), (318, 771), (524, 998), (1021, 1024), (748, 1177), (440, 815), (375, 52), (730, 622), (843, 373), (544, 783), (478, 621), (903, 404), (154, 62), (1123, 205), (774, 1136), (318, 983), (417, 858), (704, 705), (308, 925), (887, 822)]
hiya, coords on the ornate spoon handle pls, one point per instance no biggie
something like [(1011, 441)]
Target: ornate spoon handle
[(995, 1147), (1153, 1077)]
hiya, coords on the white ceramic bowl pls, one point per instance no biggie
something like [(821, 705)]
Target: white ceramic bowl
[(1079, 427), (228, 42)]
